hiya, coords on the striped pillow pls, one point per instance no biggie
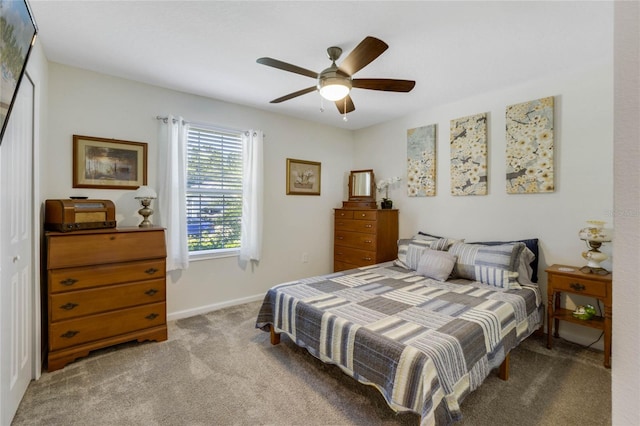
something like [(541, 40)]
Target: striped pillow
[(436, 264), (410, 251), (493, 265)]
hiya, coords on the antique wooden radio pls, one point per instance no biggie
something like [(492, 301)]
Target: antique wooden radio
[(74, 215)]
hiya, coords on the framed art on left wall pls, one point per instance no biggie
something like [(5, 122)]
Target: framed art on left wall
[(303, 177), (108, 163)]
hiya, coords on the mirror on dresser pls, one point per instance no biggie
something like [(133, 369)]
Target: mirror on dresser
[(362, 189)]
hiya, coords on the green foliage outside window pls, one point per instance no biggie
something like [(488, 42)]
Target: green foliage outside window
[(214, 189)]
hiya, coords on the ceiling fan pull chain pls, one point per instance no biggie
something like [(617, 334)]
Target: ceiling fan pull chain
[(321, 104), (344, 117)]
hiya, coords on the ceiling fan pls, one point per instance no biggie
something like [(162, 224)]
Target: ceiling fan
[(335, 83)]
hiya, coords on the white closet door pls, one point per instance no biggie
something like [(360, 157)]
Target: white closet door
[(16, 254)]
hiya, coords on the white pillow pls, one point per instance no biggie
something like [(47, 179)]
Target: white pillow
[(436, 264)]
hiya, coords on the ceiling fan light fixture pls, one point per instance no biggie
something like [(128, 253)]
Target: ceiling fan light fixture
[(334, 88)]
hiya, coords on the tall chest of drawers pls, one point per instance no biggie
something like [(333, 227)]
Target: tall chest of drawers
[(364, 237), (104, 287)]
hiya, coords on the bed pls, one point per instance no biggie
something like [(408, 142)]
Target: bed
[(424, 335)]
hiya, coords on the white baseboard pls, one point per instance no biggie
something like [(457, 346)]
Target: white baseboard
[(172, 316)]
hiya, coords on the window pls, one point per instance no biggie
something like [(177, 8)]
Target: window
[(214, 189)]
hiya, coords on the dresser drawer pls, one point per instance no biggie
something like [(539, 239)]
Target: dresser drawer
[(353, 256), (70, 250), (580, 286), (85, 302), (341, 266), (344, 214), (356, 240), (370, 214), (72, 332), (71, 279), (353, 225)]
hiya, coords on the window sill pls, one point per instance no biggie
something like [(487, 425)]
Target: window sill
[(217, 254)]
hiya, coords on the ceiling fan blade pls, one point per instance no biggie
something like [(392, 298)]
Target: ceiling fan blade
[(287, 67), (386, 84), (294, 95), (362, 55), (341, 104)]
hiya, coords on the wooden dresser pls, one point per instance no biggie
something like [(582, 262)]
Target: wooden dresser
[(104, 287), (364, 237)]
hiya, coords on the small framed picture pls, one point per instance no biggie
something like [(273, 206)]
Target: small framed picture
[(303, 177), (108, 163)]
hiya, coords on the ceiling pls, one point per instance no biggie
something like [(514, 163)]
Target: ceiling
[(453, 50)]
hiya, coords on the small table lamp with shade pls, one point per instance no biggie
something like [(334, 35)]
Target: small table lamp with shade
[(145, 194), (595, 234)]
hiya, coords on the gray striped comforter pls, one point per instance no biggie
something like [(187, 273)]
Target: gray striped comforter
[(422, 343)]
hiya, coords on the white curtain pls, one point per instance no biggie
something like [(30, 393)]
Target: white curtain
[(252, 190), (172, 202)]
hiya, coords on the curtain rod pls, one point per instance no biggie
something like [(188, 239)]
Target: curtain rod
[(166, 119), (246, 132)]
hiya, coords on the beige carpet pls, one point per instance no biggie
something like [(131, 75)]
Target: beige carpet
[(217, 369)]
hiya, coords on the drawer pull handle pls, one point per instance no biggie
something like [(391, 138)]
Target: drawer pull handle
[(368, 241), (364, 214), (152, 316), (68, 306), (366, 258), (151, 271), (368, 226), (151, 292), (577, 286), (68, 281), (341, 237), (69, 334), (112, 238)]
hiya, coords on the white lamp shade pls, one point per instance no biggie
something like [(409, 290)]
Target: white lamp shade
[(596, 232), (145, 192)]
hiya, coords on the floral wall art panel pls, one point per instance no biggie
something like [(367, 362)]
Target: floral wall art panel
[(530, 147), (421, 161), (469, 155)]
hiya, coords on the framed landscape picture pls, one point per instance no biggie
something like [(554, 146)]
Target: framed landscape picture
[(16, 41), (108, 163), (303, 177)]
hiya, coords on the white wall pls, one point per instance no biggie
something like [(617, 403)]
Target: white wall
[(92, 104), (583, 135), (626, 292)]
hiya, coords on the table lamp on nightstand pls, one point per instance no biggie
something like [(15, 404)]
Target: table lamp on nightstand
[(595, 234), (145, 194)]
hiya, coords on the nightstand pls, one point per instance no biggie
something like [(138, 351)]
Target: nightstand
[(569, 279)]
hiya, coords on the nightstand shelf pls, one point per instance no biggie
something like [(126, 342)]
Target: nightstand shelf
[(567, 315), (569, 279)]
